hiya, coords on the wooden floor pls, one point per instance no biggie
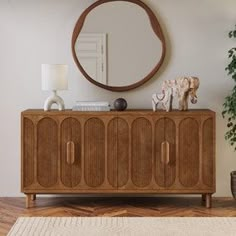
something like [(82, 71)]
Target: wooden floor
[(11, 208)]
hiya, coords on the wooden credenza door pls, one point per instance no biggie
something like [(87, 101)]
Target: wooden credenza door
[(70, 147), (189, 159), (47, 153), (68, 153), (165, 152), (149, 152), (94, 152), (118, 152), (196, 152), (141, 152), (84, 141)]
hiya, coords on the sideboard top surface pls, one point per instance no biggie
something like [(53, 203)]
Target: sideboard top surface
[(113, 112)]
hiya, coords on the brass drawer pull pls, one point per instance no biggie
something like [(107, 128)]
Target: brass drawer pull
[(70, 152)]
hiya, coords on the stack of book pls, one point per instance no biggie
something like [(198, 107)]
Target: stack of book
[(91, 106)]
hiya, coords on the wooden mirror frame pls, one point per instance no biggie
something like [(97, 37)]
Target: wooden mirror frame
[(155, 26)]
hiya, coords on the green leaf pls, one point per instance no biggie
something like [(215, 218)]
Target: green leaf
[(229, 105)]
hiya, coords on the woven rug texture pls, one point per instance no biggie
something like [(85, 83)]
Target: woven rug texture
[(124, 226)]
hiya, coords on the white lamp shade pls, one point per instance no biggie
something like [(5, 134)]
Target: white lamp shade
[(54, 77)]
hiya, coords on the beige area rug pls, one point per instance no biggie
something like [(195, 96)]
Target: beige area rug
[(122, 226)]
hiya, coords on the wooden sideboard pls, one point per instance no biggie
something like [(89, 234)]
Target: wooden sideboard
[(134, 151)]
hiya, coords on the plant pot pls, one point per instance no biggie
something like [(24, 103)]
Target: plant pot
[(233, 183)]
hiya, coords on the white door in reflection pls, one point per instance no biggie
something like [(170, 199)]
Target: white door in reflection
[(92, 51)]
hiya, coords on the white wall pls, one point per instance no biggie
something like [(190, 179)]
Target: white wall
[(36, 32)]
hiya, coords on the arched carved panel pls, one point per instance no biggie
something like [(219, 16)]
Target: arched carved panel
[(159, 165), (112, 150), (118, 152), (94, 152), (28, 152), (165, 169), (141, 170), (70, 155), (189, 152), (47, 152), (123, 152), (208, 153), (170, 137)]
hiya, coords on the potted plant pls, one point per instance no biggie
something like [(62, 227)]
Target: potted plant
[(229, 107)]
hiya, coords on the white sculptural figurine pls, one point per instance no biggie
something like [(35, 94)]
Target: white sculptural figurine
[(165, 99), (183, 88)]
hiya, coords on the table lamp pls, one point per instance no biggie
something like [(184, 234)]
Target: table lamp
[(54, 77)]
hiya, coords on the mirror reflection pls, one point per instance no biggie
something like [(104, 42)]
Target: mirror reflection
[(117, 45)]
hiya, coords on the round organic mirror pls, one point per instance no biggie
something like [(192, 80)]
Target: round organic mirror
[(118, 44)]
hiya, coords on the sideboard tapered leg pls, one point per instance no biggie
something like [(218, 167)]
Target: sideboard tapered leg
[(28, 200), (33, 197), (208, 200), (203, 199)]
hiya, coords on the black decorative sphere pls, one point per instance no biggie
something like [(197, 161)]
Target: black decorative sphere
[(120, 104)]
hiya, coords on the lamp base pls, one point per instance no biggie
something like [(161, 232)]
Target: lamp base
[(54, 99)]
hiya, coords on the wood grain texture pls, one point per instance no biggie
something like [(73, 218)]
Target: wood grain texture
[(189, 152), (165, 132), (123, 144), (112, 152), (94, 152), (170, 137), (128, 112), (159, 135), (47, 152), (208, 153), (12, 208), (208, 201), (141, 170), (118, 152), (70, 169), (28, 152)]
